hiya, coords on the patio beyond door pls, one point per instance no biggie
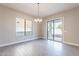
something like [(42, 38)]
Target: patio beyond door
[(55, 30)]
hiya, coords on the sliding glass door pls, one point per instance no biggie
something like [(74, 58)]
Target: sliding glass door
[(55, 30)]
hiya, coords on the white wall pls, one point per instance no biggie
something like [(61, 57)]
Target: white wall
[(8, 26), (71, 25)]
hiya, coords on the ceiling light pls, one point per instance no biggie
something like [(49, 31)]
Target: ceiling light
[(38, 19)]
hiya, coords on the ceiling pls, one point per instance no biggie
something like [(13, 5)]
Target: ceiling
[(45, 9)]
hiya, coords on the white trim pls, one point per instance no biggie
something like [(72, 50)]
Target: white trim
[(73, 44), (68, 43), (2, 45)]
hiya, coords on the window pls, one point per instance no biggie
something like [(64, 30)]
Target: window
[(28, 27), (23, 27)]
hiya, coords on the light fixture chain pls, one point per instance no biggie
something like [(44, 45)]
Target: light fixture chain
[(38, 9)]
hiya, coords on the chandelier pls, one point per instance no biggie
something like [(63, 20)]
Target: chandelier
[(38, 19)]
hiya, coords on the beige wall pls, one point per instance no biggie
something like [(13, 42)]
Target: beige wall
[(71, 25), (8, 26)]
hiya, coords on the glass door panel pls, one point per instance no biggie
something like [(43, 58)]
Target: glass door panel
[(50, 30), (58, 27)]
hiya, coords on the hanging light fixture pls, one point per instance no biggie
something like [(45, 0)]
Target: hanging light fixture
[(38, 19)]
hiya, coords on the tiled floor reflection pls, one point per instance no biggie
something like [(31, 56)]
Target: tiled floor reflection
[(39, 48)]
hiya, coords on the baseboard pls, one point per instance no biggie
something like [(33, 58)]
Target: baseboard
[(73, 44), (8, 44), (41, 38), (44, 38), (69, 43)]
